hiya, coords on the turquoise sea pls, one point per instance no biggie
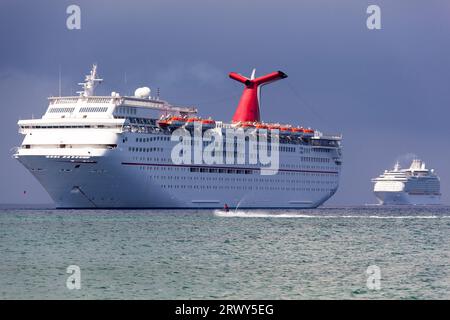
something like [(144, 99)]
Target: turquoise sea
[(262, 254)]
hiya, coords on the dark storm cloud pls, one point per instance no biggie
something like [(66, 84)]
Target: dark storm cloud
[(387, 90)]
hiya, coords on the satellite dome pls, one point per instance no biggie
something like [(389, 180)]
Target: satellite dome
[(143, 92)]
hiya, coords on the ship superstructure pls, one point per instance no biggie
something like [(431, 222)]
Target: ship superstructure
[(116, 151), (415, 185)]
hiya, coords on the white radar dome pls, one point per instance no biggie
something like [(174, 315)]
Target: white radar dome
[(143, 92)]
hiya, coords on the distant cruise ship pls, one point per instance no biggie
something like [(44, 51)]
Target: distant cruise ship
[(413, 186), (116, 151)]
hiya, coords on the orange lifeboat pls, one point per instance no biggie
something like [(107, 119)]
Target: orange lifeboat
[(176, 121), (285, 130), (190, 122), (308, 132), (297, 131), (208, 123)]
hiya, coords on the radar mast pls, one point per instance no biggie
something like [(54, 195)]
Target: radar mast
[(90, 82)]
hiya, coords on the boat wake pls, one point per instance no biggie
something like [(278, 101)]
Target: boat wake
[(265, 214), (259, 214)]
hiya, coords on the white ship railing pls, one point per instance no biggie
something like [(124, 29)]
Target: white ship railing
[(123, 101)]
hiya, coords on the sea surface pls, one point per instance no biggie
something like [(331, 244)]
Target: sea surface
[(323, 253)]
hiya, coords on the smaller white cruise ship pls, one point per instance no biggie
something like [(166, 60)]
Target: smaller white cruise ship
[(415, 185)]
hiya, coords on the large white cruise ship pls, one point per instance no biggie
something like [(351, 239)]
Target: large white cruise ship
[(415, 185), (117, 151)]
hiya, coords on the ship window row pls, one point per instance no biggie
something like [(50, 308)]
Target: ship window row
[(304, 167), (315, 159), (324, 143), (321, 150), (127, 110), (231, 145), (241, 180), (157, 138), (170, 186), (287, 149), (100, 126), (238, 171), (93, 109), (157, 159), (281, 148), (206, 178), (61, 110), (325, 178), (142, 121), (140, 129), (135, 149), (222, 170)]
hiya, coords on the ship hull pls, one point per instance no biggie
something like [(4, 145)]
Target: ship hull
[(108, 181), (405, 198)]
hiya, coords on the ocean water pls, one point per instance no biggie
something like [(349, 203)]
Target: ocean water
[(208, 254)]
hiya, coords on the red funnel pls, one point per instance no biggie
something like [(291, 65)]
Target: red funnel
[(248, 107)]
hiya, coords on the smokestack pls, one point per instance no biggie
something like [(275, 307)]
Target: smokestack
[(248, 107)]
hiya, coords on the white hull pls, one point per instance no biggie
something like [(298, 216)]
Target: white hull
[(404, 198), (415, 185), (106, 182)]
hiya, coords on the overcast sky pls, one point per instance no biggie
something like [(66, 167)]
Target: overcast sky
[(387, 91)]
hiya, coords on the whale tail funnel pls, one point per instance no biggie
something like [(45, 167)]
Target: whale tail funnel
[(248, 107)]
